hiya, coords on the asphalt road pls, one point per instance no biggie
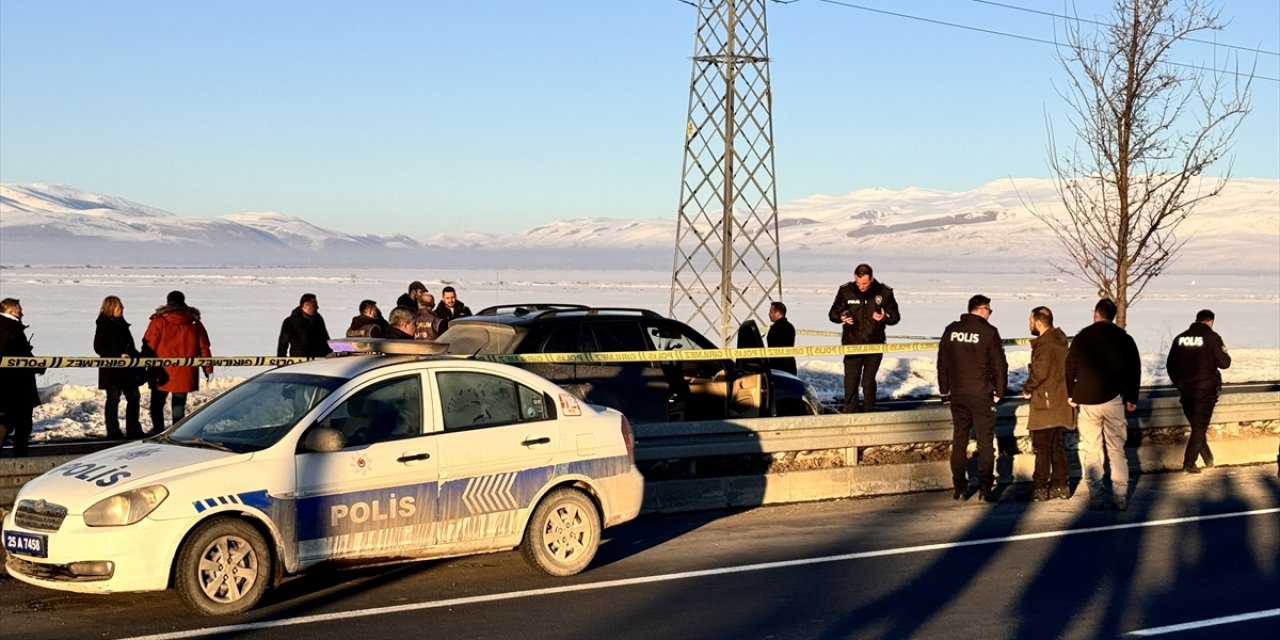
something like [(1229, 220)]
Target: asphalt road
[(1190, 549)]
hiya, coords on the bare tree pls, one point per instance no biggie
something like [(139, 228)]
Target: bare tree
[(1147, 128)]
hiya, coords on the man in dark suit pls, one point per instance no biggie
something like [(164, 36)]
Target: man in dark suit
[(781, 334)]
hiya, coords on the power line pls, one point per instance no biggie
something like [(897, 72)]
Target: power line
[(1104, 24), (1016, 36)]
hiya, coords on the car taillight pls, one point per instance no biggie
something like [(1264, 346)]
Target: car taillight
[(629, 438)]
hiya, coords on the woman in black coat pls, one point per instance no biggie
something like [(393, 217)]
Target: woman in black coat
[(114, 340)]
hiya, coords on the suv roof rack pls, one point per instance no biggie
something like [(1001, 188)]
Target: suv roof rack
[(527, 308)]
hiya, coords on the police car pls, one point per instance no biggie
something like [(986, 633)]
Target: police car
[(359, 458)]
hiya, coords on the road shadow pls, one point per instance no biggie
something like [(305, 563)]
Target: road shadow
[(1097, 591)]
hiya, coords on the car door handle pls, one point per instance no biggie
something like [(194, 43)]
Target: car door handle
[(413, 457), (532, 441)]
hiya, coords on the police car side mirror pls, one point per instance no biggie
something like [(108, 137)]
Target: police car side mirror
[(324, 440)]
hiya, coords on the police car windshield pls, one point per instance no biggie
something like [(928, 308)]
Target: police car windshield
[(255, 414)]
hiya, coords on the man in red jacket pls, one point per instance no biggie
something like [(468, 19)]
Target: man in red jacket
[(175, 331)]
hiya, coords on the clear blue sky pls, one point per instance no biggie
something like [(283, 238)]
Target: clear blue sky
[(502, 115)]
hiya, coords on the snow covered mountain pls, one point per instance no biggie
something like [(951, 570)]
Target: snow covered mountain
[(987, 227), (61, 225)]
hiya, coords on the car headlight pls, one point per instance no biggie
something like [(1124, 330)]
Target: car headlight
[(125, 508)]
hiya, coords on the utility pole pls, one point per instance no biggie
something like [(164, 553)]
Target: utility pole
[(727, 267)]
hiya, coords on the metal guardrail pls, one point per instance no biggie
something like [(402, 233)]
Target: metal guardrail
[(680, 440)]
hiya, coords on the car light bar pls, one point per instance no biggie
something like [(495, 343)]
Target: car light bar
[(388, 346)]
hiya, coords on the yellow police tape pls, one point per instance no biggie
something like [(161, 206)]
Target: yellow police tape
[(57, 362)]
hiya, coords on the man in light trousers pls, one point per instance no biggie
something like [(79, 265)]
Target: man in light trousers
[(1103, 373)]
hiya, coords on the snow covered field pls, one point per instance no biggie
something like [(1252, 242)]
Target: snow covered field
[(242, 310)]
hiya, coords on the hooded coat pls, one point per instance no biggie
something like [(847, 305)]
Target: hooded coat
[(113, 339), (1046, 386), (175, 331)]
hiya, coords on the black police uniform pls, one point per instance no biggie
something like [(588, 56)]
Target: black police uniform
[(1194, 360), (972, 370), (860, 370)]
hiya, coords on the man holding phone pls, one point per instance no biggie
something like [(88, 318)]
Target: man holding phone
[(863, 308)]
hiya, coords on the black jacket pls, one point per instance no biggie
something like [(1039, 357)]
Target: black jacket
[(428, 325), (17, 386), (395, 334), (971, 359), (459, 310), (363, 326), (113, 339), (303, 336), (1194, 360), (1103, 363), (405, 300), (861, 305), (782, 334)]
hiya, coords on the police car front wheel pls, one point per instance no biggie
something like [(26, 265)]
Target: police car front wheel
[(563, 533), (223, 567)]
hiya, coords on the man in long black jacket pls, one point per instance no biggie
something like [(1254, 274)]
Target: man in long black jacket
[(1194, 360), (303, 334), (781, 334), (973, 374), (864, 307), (1104, 370), (18, 394)]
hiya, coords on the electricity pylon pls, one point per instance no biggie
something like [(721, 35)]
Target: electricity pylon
[(727, 267)]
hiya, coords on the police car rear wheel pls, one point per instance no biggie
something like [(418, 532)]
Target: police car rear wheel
[(223, 568), (563, 533)]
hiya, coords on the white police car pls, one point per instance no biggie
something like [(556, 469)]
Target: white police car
[(351, 458)]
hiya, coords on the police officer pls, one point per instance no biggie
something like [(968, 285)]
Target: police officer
[(864, 307), (1194, 360), (972, 374)]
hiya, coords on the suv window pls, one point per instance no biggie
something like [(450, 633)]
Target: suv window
[(667, 336), (470, 400), (619, 336), (380, 412), (553, 338)]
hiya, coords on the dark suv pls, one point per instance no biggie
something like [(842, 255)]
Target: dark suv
[(650, 391)]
